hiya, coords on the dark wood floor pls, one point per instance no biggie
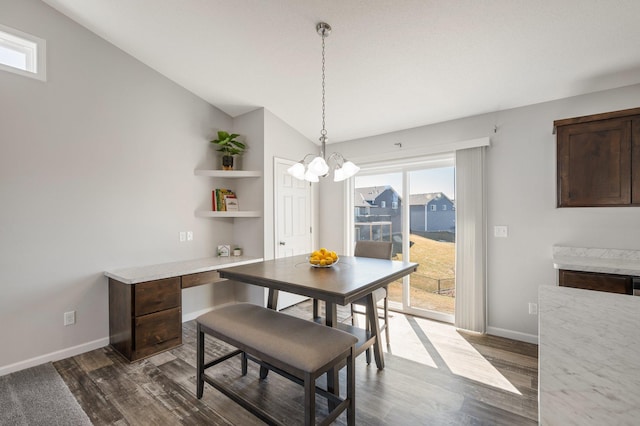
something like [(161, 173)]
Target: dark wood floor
[(434, 375)]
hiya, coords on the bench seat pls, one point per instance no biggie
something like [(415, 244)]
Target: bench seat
[(284, 344)]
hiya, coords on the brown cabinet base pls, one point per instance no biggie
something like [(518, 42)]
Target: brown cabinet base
[(145, 318), (610, 283)]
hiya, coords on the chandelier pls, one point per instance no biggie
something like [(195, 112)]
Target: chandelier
[(319, 166)]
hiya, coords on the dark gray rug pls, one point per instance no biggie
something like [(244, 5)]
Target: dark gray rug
[(38, 396)]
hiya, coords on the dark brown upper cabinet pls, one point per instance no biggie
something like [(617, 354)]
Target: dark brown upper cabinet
[(599, 160)]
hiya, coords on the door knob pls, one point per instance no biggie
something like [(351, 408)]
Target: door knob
[(282, 243)]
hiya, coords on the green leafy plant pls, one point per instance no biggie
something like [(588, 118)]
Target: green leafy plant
[(228, 145)]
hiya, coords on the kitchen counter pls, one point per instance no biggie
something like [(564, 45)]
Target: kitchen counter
[(608, 261), (141, 274), (589, 357)]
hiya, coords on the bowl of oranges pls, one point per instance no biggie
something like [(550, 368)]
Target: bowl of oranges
[(323, 258)]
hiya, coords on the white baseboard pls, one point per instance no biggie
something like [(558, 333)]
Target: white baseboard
[(77, 350), (193, 315), (514, 335), (54, 356)]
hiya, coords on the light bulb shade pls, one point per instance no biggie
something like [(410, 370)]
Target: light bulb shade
[(311, 177), (349, 169), (318, 166), (338, 175), (297, 171)]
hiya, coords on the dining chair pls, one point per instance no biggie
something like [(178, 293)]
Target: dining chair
[(378, 250)]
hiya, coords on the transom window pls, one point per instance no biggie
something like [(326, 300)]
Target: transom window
[(22, 53)]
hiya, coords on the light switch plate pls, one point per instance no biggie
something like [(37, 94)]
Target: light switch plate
[(501, 231)]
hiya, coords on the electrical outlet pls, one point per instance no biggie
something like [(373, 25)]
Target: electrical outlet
[(189, 235), (183, 236), (533, 308), (70, 318), (501, 231)]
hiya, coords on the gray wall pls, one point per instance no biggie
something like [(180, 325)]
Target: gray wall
[(521, 194), (282, 141), (96, 172)]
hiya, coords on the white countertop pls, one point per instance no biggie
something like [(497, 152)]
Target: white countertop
[(589, 357), (609, 261), (140, 274)]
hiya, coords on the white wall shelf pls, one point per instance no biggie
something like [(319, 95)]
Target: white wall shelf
[(233, 174), (240, 213), (228, 173)]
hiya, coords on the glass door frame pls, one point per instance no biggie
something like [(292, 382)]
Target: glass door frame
[(405, 167)]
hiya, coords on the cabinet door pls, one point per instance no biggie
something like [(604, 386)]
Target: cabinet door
[(595, 281), (635, 162), (594, 164), (157, 332), (154, 296)]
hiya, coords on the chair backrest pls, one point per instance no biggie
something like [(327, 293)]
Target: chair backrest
[(376, 249)]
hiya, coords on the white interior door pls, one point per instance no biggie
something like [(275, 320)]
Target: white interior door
[(292, 220)]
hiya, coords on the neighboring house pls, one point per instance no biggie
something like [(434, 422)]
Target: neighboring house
[(432, 212), (377, 212)]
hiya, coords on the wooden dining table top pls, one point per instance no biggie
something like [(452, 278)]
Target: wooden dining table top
[(348, 280)]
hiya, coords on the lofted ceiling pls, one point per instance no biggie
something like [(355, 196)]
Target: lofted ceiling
[(390, 64)]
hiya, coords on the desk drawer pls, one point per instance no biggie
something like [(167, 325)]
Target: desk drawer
[(201, 278), (154, 329), (154, 296), (610, 283)]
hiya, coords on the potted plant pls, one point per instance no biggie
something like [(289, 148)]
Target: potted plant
[(228, 146)]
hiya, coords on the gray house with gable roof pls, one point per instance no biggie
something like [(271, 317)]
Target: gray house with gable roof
[(432, 212)]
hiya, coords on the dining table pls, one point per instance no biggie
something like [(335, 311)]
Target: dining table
[(349, 279)]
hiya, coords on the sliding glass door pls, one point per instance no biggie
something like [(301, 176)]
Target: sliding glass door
[(414, 207)]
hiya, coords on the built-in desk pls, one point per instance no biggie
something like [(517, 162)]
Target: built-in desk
[(145, 303)]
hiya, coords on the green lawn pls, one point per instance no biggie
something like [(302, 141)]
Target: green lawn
[(437, 263)]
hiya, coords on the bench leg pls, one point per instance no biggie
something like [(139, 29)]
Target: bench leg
[(351, 390), (200, 363), (309, 400), (243, 363)]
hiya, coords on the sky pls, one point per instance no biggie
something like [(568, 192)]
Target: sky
[(12, 58), (422, 181)]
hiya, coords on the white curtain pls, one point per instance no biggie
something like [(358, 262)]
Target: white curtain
[(470, 240)]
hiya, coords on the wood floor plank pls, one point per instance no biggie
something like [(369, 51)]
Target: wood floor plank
[(161, 389), (89, 395)]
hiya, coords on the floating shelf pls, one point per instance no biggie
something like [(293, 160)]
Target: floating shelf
[(228, 173), (241, 213)]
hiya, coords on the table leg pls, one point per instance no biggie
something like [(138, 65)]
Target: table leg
[(372, 317), (272, 299), (331, 314), (333, 381), (272, 303)]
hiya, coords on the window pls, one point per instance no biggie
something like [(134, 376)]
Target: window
[(412, 221), (383, 204), (22, 53), (444, 207)]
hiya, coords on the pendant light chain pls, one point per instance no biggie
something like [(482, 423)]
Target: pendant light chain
[(324, 131), (319, 167)]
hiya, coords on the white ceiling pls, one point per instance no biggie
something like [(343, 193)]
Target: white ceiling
[(391, 64)]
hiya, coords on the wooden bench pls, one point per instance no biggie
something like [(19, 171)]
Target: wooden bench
[(297, 349)]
